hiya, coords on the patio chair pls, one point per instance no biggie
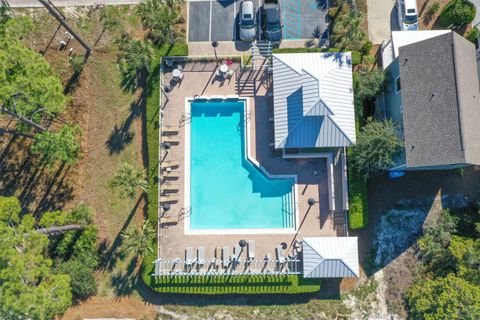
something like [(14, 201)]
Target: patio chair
[(171, 139), (251, 250), (171, 174), (169, 198), (279, 253), (169, 129), (168, 220), (189, 256), (170, 186), (201, 256), (229, 73), (226, 256), (237, 251), (170, 164)]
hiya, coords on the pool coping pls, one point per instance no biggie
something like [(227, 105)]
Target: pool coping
[(187, 202)]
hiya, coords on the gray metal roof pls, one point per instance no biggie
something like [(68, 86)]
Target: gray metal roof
[(305, 87), (440, 94), (330, 257)]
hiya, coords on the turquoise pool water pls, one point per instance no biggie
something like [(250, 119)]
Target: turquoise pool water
[(226, 190)]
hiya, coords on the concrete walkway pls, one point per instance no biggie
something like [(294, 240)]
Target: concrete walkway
[(381, 18), (69, 3)]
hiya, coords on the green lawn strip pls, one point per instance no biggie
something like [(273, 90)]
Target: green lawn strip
[(199, 284), (357, 200), (357, 192)]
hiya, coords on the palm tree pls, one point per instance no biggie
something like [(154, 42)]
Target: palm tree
[(351, 29), (139, 241), (134, 60), (110, 20), (160, 16), (128, 179)]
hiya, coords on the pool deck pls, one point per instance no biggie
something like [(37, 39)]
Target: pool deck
[(316, 220)]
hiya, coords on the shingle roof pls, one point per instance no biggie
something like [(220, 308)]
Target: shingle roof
[(330, 257), (305, 86), (440, 94)]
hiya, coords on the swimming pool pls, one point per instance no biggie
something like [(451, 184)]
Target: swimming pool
[(227, 190)]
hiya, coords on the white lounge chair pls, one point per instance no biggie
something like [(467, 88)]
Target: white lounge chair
[(188, 256), (238, 252), (169, 198), (170, 186), (251, 250), (226, 256), (279, 253), (171, 174), (170, 164), (171, 139), (201, 256)]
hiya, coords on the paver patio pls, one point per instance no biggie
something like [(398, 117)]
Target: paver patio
[(316, 220)]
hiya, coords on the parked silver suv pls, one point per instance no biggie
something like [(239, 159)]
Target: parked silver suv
[(248, 28)]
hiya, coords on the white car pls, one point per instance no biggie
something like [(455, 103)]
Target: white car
[(407, 15)]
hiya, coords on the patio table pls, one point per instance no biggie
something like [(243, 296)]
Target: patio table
[(176, 73), (224, 68)]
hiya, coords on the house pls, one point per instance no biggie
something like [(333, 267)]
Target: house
[(330, 257), (313, 112), (313, 102), (433, 96)]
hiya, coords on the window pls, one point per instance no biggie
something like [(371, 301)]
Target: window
[(398, 87)]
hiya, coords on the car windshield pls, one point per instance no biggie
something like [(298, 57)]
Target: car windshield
[(248, 21), (273, 26), (410, 19)]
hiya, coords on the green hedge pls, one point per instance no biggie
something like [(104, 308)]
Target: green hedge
[(233, 284), (357, 199), (457, 13), (356, 55)]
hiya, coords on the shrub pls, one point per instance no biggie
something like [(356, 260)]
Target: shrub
[(443, 298), (433, 8), (377, 144), (82, 279), (473, 35), (457, 13), (76, 63), (356, 57), (366, 48)]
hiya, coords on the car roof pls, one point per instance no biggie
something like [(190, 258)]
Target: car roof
[(247, 6), (272, 14), (410, 4)]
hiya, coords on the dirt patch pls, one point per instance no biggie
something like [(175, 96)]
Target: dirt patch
[(429, 21), (111, 308)]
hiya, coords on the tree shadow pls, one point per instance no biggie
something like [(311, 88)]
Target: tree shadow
[(121, 136), (125, 281), (109, 257)]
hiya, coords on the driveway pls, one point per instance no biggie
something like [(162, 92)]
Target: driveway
[(382, 19), (210, 20), (476, 21)]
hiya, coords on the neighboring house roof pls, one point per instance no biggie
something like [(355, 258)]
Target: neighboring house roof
[(330, 257), (313, 100), (403, 38), (441, 107)]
